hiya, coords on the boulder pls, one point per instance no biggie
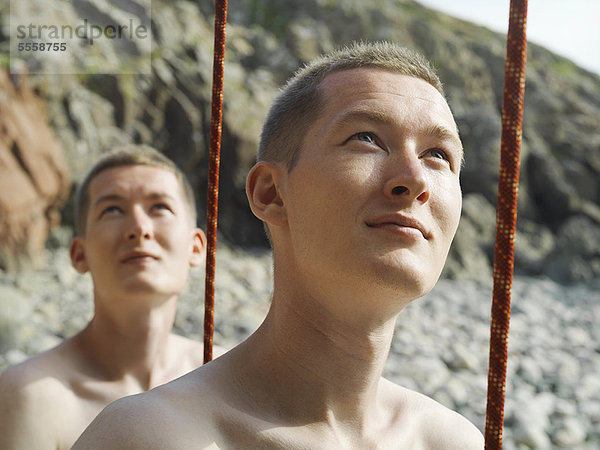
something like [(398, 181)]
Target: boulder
[(473, 245), (577, 254), (34, 175)]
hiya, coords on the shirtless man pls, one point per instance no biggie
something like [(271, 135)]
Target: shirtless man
[(357, 181), (137, 237)]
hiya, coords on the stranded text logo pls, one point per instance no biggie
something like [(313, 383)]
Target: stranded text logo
[(86, 31), (73, 37)]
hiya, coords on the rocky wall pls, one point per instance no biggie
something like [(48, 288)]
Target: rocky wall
[(267, 40), (34, 175)]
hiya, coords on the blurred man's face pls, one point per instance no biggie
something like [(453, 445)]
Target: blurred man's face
[(139, 239)]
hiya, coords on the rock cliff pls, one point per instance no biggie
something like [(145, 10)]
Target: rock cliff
[(34, 175), (559, 222)]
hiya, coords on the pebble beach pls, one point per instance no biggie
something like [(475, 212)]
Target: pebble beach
[(440, 346)]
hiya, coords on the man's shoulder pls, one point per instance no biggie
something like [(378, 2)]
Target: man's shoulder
[(175, 414), (130, 422), (34, 404), (432, 423), (445, 428), (41, 377), (37, 384)]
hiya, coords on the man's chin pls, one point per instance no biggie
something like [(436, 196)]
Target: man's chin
[(408, 281), (146, 286)]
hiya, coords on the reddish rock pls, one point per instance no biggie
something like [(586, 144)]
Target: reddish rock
[(34, 175)]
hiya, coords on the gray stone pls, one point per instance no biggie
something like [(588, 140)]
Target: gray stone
[(15, 310), (445, 398), (531, 438), (14, 356), (577, 255), (429, 373), (530, 371), (457, 391), (531, 421), (570, 433), (533, 243), (460, 357), (568, 368)]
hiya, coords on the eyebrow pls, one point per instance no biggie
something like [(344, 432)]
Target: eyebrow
[(117, 197), (107, 198), (365, 115), (445, 134)]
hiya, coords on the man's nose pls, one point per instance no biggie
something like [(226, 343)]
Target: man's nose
[(407, 179), (140, 224)]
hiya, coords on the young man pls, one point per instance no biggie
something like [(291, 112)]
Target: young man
[(358, 184), (137, 237)]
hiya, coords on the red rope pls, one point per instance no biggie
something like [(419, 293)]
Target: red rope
[(506, 219), (212, 195)]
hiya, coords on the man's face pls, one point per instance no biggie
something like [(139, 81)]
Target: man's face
[(139, 240), (374, 200)]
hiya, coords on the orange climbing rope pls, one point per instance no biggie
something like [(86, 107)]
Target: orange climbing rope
[(212, 195), (506, 219)]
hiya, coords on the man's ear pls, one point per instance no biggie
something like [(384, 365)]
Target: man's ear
[(198, 248), (77, 254), (263, 189)]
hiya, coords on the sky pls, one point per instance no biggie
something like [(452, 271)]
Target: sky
[(570, 28)]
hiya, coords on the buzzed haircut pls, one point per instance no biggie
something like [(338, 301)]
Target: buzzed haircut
[(130, 155), (299, 103)]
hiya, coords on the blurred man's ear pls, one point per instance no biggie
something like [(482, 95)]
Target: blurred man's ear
[(77, 254), (263, 189), (198, 248)]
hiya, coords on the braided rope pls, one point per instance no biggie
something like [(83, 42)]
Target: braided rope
[(506, 219), (212, 195)]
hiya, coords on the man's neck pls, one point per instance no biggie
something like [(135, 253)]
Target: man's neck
[(331, 368), (129, 345)]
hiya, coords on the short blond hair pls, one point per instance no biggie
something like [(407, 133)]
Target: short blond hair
[(298, 104), (130, 155)]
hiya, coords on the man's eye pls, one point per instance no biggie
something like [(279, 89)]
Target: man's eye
[(162, 207), (111, 210), (365, 136), (439, 153)]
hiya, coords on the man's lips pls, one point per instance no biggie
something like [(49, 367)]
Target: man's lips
[(137, 256), (399, 222)]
